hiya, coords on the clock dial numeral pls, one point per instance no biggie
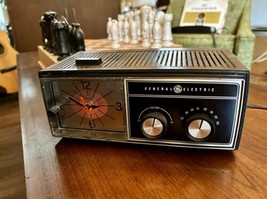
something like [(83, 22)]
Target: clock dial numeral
[(85, 84), (118, 106)]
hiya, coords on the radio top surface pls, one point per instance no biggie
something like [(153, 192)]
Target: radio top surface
[(177, 60)]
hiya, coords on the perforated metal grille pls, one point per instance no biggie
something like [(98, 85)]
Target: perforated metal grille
[(151, 59)]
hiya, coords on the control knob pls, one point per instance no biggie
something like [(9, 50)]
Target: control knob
[(154, 125), (200, 127), (53, 111)]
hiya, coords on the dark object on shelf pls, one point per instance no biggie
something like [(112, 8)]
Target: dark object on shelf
[(193, 29), (46, 23), (62, 39), (78, 38), (59, 37)]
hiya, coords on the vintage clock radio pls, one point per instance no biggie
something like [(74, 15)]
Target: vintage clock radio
[(170, 97)]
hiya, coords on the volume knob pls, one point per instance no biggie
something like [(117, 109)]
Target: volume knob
[(154, 125)]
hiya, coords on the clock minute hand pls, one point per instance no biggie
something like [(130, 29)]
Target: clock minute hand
[(76, 101), (94, 106)]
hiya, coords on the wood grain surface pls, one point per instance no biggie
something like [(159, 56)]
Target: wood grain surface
[(12, 182), (69, 168)]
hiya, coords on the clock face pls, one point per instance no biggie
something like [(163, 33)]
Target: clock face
[(89, 104)]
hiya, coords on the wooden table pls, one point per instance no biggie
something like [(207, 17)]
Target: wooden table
[(68, 168)]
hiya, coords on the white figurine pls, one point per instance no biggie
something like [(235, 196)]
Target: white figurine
[(167, 31), (120, 24), (145, 26), (157, 34), (126, 30), (115, 34), (138, 22), (134, 33), (130, 16), (151, 19), (160, 16), (109, 27)]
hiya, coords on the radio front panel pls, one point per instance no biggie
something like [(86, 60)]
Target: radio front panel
[(188, 112)]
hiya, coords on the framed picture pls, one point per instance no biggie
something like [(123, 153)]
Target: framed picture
[(204, 13)]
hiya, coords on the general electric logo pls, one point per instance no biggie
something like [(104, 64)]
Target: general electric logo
[(178, 89)]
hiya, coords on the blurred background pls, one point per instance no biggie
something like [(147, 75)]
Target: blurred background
[(22, 18)]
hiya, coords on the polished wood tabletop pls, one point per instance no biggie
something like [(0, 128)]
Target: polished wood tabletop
[(71, 168)]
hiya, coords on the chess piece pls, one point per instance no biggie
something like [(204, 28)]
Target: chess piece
[(151, 18), (108, 28), (45, 33), (157, 34), (145, 26), (167, 32), (73, 30), (126, 30), (50, 18), (120, 25), (130, 16), (72, 33), (160, 16), (138, 23), (145, 34), (63, 40), (78, 38), (134, 33), (115, 34)]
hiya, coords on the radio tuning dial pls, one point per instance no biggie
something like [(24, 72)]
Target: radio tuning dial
[(200, 127), (53, 110), (154, 125)]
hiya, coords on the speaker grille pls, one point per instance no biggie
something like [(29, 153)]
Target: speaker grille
[(150, 58)]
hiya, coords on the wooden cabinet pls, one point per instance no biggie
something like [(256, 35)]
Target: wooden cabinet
[(25, 16)]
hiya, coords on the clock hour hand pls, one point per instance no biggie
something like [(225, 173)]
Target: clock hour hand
[(93, 106), (76, 101), (89, 106)]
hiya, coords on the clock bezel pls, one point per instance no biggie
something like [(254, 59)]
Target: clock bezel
[(72, 131)]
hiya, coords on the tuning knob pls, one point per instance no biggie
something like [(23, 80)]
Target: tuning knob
[(53, 110), (200, 127), (154, 125)]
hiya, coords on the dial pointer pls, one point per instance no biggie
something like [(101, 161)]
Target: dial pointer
[(93, 106), (200, 125), (76, 101)]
